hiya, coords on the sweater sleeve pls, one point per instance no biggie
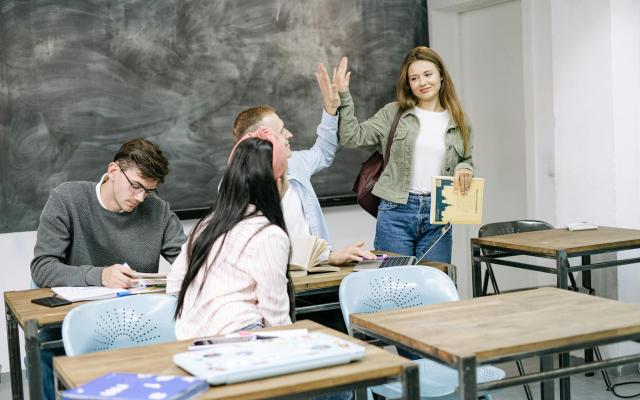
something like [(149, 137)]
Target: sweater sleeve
[(173, 237), (270, 257), (48, 267)]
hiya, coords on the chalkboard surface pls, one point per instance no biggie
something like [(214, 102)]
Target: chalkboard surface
[(78, 78)]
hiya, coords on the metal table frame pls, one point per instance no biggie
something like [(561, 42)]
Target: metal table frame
[(562, 271), (466, 367), (33, 346)]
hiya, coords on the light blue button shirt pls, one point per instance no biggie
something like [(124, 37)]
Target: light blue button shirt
[(304, 164)]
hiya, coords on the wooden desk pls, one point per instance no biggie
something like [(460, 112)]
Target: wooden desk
[(32, 318), (377, 366), (540, 322), (559, 244)]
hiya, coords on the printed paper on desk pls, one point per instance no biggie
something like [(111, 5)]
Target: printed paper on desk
[(447, 206)]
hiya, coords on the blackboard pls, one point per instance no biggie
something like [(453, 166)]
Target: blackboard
[(78, 78)]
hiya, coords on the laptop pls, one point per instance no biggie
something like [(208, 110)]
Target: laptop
[(242, 361), (395, 261)]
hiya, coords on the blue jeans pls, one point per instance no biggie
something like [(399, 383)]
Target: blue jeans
[(405, 229)]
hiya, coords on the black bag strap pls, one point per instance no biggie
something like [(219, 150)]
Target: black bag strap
[(392, 133)]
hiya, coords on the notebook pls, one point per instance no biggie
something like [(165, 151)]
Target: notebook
[(121, 386), (243, 361)]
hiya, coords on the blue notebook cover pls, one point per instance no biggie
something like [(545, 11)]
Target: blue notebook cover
[(121, 386)]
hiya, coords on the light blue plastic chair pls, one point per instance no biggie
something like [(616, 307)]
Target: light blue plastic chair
[(121, 322), (405, 287)]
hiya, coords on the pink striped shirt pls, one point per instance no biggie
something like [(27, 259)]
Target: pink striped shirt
[(241, 288)]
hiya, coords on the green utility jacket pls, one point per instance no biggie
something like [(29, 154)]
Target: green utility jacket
[(393, 184)]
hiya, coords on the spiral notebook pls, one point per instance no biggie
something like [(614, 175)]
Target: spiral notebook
[(243, 361)]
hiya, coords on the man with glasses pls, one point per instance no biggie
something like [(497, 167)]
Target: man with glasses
[(98, 234)]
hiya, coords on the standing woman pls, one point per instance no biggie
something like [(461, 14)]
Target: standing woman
[(232, 272), (433, 138)]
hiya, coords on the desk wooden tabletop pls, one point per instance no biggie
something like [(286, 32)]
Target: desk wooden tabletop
[(549, 242), (508, 324), (23, 309), (157, 359)]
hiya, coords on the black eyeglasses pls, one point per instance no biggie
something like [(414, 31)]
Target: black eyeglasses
[(137, 188)]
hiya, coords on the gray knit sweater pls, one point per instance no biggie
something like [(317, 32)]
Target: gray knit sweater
[(78, 238)]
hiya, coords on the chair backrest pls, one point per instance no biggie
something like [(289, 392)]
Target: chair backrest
[(392, 288), (118, 323), (505, 228)]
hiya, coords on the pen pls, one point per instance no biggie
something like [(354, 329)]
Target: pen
[(122, 294)]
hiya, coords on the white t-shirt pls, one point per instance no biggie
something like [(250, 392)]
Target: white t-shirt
[(293, 213), (429, 150)]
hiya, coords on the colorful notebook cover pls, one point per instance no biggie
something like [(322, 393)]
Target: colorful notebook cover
[(121, 386), (447, 206)]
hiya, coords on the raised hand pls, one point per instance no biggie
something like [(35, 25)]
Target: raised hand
[(341, 76), (330, 97)]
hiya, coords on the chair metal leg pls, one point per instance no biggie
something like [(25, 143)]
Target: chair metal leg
[(489, 275), (527, 389), (605, 373)]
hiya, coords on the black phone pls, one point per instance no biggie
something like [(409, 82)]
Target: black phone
[(51, 301)]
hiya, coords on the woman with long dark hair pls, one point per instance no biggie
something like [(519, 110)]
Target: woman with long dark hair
[(232, 271)]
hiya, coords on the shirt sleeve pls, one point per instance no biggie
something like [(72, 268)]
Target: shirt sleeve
[(323, 151), (177, 272), (54, 237), (269, 263)]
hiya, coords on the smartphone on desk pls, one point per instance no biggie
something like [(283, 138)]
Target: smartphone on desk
[(51, 301)]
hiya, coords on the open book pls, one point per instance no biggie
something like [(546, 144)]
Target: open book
[(307, 255), (450, 207)]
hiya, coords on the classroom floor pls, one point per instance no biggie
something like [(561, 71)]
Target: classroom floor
[(582, 387)]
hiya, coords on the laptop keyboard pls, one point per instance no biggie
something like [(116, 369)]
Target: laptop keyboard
[(397, 260)]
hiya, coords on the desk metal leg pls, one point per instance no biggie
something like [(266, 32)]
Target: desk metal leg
[(565, 383), (360, 394), (15, 366), (586, 282), (411, 383), (33, 359), (467, 379), (562, 265), (546, 387), (476, 272)]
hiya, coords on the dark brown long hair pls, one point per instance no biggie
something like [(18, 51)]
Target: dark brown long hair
[(448, 97)]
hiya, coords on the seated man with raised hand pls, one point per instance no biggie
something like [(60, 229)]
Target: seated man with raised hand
[(97, 234), (300, 205)]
